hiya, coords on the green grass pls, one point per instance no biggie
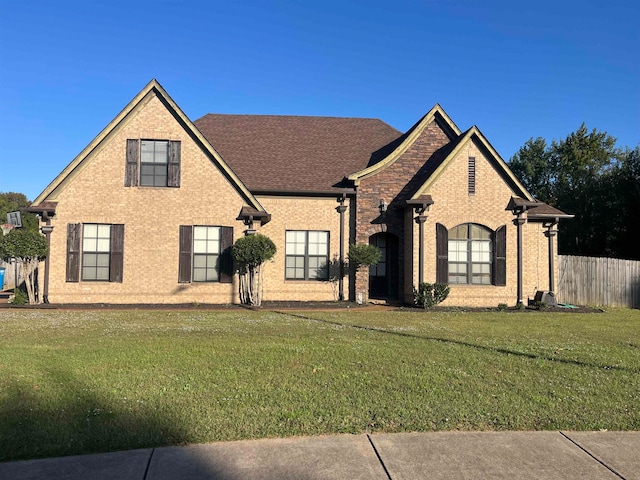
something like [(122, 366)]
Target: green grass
[(75, 382)]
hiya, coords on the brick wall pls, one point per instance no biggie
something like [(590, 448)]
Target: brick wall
[(395, 184), (96, 194), (454, 206), (300, 213)]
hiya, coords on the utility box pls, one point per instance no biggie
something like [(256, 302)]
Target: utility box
[(547, 297)]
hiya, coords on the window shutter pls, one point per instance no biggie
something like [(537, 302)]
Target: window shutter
[(117, 253), (184, 258), (442, 253), (500, 256), (74, 236), (226, 259), (173, 179), (131, 168)]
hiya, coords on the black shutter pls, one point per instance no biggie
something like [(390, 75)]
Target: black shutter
[(442, 253), (131, 167), (184, 258), (173, 179), (500, 256), (117, 253), (226, 259), (74, 236)]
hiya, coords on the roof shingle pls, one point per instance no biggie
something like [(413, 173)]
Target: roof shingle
[(295, 153)]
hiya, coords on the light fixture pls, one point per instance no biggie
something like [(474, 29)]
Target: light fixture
[(383, 206)]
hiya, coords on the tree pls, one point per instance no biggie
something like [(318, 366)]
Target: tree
[(250, 253), (624, 184), (28, 248), (532, 165), (11, 202), (583, 160), (576, 176)]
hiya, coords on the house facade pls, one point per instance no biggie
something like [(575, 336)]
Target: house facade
[(148, 211)]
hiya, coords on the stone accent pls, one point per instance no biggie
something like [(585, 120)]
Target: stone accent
[(395, 184)]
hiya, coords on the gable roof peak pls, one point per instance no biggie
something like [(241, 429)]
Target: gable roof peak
[(152, 88), (436, 114), (474, 134)]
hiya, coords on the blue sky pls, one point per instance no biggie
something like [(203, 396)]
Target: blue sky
[(536, 69)]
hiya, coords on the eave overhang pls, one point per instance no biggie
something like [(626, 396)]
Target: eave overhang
[(249, 215), (45, 208), (338, 192), (420, 204), (536, 211)]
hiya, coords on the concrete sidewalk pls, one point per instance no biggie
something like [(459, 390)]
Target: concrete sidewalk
[(440, 455)]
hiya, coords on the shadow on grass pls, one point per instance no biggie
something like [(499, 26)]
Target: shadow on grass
[(505, 351), (77, 419)]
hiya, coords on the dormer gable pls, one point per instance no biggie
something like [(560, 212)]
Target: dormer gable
[(473, 135), (437, 115), (153, 90)]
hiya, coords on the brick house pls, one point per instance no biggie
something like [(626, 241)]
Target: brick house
[(146, 213)]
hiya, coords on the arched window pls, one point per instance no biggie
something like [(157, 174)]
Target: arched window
[(470, 254)]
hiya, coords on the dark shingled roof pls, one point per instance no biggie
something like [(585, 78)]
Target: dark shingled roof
[(544, 211), (295, 153)]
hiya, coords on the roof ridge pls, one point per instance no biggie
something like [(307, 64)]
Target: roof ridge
[(272, 115)]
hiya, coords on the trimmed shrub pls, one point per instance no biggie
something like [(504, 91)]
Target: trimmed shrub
[(428, 295), (363, 254)]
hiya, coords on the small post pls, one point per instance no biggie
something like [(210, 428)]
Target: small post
[(248, 221), (46, 229), (518, 222), (550, 233), (341, 209), (420, 219)]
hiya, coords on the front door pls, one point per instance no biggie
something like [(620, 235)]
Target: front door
[(383, 276)]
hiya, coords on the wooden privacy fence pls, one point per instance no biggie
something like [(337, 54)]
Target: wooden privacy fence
[(598, 281)]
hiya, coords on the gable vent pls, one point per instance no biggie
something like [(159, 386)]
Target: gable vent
[(472, 175)]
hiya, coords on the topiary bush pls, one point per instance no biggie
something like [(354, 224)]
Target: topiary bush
[(250, 253), (428, 295), (363, 254), (29, 248)]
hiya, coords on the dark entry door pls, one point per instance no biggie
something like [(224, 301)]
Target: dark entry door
[(383, 277)]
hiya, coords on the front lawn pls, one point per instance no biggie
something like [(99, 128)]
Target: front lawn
[(75, 382)]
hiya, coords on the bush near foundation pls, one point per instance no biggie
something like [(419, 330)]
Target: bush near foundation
[(428, 295)]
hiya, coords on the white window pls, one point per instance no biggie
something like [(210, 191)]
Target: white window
[(206, 253), (154, 163), (307, 255), (96, 251), (470, 254)]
